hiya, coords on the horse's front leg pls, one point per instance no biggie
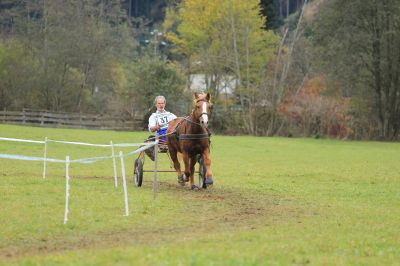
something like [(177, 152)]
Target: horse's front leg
[(207, 161), (192, 164)]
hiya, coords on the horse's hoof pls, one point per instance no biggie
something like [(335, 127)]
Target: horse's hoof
[(181, 181), (194, 188), (209, 181)]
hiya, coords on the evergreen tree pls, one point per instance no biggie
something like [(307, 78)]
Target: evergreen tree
[(270, 9)]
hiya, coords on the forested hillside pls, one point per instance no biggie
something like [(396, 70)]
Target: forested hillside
[(274, 67)]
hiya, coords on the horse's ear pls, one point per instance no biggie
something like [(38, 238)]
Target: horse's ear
[(208, 96), (195, 95)]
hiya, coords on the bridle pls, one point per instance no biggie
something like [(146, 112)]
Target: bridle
[(202, 113)]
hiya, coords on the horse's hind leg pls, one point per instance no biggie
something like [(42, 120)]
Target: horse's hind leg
[(186, 161), (177, 165)]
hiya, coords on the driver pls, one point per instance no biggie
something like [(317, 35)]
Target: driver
[(158, 123), (159, 120)]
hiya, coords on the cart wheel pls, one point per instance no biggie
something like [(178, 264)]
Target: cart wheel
[(202, 173), (138, 172)]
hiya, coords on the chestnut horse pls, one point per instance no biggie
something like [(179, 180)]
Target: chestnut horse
[(190, 137)]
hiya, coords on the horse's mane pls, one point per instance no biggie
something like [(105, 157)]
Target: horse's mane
[(199, 97)]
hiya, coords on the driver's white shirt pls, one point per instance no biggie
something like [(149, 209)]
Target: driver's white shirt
[(161, 118)]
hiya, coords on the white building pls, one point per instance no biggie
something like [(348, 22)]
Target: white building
[(225, 87)]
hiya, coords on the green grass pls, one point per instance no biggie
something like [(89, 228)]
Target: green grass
[(276, 201)]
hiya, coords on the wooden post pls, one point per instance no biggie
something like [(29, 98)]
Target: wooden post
[(23, 116), (41, 118), (155, 181)]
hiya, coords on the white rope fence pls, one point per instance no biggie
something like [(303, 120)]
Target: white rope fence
[(88, 160), (67, 162)]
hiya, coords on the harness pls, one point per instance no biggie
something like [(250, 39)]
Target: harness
[(193, 136), (190, 136)]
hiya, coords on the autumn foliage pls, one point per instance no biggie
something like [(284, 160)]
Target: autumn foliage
[(310, 112)]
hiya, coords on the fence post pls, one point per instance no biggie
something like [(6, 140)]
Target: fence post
[(41, 118), (66, 189), (124, 183), (23, 116), (45, 158), (155, 184), (114, 164)]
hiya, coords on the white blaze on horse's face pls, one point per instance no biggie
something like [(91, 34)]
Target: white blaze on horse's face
[(204, 116)]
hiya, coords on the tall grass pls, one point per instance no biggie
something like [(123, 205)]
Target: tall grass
[(275, 201)]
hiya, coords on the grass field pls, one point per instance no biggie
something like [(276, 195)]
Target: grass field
[(275, 201)]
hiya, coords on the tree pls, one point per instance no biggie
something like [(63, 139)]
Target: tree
[(359, 46), (141, 81), (225, 38), (74, 45), (311, 112), (270, 9), (18, 76)]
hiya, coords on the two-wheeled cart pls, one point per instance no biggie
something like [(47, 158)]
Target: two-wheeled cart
[(162, 148)]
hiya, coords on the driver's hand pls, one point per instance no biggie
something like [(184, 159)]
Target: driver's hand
[(156, 127)]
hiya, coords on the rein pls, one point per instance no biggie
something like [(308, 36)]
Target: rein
[(187, 119)]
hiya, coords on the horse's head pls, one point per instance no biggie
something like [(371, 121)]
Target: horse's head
[(202, 108)]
